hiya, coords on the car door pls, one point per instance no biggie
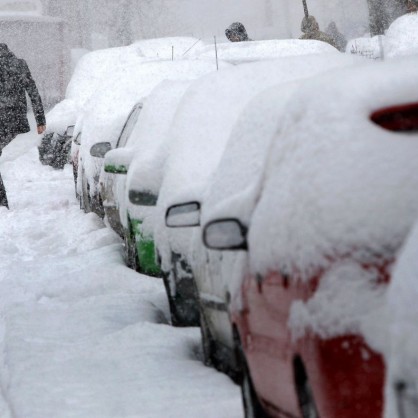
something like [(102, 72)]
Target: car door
[(269, 344), (113, 184)]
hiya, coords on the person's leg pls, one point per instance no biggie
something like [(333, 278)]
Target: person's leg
[(3, 195), (4, 140)]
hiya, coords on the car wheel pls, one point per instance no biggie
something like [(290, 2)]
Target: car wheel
[(252, 405), (208, 344), (85, 195), (304, 392), (131, 256)]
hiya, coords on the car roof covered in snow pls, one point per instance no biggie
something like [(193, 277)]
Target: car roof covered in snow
[(402, 36), (239, 52)]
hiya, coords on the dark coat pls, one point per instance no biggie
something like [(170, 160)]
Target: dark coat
[(15, 81)]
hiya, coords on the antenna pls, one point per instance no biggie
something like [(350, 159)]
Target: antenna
[(216, 54), (172, 53), (192, 47), (305, 8)]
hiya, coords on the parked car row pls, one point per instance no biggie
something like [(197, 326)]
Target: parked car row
[(272, 197)]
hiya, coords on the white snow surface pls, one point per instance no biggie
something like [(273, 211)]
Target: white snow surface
[(239, 52), (402, 36), (81, 335), (402, 360)]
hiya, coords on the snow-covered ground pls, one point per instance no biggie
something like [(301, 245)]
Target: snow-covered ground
[(82, 335)]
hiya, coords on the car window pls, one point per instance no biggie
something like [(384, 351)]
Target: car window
[(129, 125)]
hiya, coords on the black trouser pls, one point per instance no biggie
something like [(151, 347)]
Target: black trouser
[(4, 140)]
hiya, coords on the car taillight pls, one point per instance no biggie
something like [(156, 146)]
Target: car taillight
[(397, 118)]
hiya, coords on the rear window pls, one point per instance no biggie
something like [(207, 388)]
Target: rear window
[(402, 118)]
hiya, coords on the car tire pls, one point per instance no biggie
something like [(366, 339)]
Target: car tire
[(252, 405), (131, 255), (208, 343), (304, 392), (85, 195)]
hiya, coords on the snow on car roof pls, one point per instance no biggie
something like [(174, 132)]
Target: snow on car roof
[(107, 110), (150, 134), (164, 47), (262, 50), (336, 182), (402, 36)]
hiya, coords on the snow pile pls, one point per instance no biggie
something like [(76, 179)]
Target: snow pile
[(80, 333), (372, 48), (402, 360), (239, 52), (339, 186), (108, 109), (402, 36), (202, 126)]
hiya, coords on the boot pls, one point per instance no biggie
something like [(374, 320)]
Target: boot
[(3, 195)]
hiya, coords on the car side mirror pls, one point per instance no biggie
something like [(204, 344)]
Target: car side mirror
[(117, 161), (142, 198), (225, 234), (183, 215), (77, 139), (100, 149), (70, 131)]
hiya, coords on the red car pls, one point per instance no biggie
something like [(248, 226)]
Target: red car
[(312, 303)]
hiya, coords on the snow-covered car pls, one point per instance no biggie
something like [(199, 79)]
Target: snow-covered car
[(402, 36), (108, 110), (199, 133), (309, 312), (129, 199), (238, 177)]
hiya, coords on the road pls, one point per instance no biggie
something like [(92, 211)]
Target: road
[(81, 335)]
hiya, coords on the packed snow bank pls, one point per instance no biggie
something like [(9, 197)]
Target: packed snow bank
[(402, 36), (81, 334), (239, 52), (336, 183), (402, 360)]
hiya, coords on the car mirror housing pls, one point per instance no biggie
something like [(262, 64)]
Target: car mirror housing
[(77, 139), (142, 198), (117, 161), (225, 234), (70, 131), (183, 215), (100, 149)]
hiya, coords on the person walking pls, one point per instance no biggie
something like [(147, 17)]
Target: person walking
[(236, 32), (15, 81), (310, 29)]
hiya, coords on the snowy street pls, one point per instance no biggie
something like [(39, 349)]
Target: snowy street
[(81, 334)]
